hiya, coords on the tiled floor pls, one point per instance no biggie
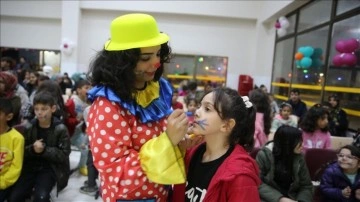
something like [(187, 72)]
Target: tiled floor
[(71, 192)]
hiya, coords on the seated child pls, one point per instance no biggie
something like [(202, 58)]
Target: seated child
[(11, 149), (191, 105), (46, 155), (315, 128), (284, 118), (341, 180), (283, 171)]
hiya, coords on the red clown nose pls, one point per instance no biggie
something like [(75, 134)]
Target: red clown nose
[(157, 65)]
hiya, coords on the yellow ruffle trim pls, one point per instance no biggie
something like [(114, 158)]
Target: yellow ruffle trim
[(146, 96)]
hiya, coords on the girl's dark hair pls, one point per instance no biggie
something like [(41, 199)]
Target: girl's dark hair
[(286, 138), (336, 98), (229, 105), (188, 100), (355, 151), (44, 98), (262, 104), (309, 122), (115, 69), (7, 107), (285, 104)]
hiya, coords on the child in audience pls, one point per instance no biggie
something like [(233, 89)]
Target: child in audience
[(341, 180), (90, 187), (263, 116), (174, 103), (338, 121), (46, 155), (315, 128), (220, 169), (191, 105), (284, 118), (75, 108), (11, 148), (283, 171)]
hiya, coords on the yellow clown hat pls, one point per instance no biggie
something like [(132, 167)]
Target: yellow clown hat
[(134, 31)]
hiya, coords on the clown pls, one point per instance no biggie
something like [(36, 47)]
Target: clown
[(132, 129)]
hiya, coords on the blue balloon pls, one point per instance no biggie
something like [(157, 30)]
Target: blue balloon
[(306, 62), (297, 62), (316, 62), (308, 51), (317, 53), (302, 49)]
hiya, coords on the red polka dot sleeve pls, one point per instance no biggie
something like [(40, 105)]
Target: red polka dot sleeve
[(115, 139)]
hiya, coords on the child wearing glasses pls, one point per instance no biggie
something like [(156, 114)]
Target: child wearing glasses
[(341, 179)]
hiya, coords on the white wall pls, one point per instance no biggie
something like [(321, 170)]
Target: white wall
[(28, 25), (241, 30)]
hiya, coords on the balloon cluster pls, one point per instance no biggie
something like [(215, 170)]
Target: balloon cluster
[(67, 47), (281, 25), (308, 56), (346, 55)]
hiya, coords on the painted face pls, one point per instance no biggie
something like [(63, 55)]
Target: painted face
[(192, 106), (348, 162), (285, 112), (294, 97), (33, 79), (333, 102), (322, 122), (207, 119), (298, 148), (44, 112), (147, 65)]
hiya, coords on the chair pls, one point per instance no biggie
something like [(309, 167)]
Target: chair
[(316, 160), (338, 142)]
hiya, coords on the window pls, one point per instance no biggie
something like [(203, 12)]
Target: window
[(319, 28), (346, 5), (315, 13), (203, 69)]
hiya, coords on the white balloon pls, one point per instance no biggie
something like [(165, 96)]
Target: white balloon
[(284, 23), (281, 32)]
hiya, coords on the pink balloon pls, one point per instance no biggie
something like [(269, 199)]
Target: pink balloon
[(277, 25), (340, 46), (351, 45), (349, 59), (337, 60)]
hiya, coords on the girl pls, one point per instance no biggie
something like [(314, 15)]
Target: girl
[(220, 169), (338, 123), (284, 118), (341, 179), (263, 116), (284, 175), (132, 130), (191, 105), (315, 128)]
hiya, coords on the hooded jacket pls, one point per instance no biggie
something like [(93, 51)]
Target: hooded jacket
[(237, 179), (333, 181), (299, 190)]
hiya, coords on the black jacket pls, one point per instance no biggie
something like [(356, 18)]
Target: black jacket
[(56, 152)]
